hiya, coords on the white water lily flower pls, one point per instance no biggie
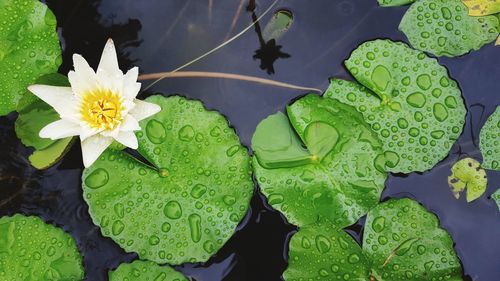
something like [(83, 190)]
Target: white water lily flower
[(100, 107)]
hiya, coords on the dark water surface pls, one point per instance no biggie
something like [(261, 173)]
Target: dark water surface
[(159, 35)]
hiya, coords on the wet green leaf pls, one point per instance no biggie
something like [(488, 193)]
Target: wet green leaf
[(29, 48), (496, 197), (392, 3), (30, 249), (489, 141), (331, 176), (185, 207), (482, 7), (401, 241), (145, 271), (412, 104), (444, 28), (467, 173)]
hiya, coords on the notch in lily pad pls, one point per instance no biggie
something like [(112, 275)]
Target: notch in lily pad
[(468, 174)]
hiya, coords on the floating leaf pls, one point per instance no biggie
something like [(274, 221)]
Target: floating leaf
[(30, 249), (401, 241), (496, 197), (489, 141), (467, 173), (415, 108), (185, 207), (482, 7), (444, 28), (145, 271), (392, 3), (333, 177), (34, 114), (278, 25), (29, 48)]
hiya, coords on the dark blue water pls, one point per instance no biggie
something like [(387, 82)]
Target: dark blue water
[(159, 35)]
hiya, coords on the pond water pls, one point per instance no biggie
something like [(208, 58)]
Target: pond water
[(159, 35)]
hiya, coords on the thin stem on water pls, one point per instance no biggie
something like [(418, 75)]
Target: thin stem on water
[(216, 48), (221, 75)]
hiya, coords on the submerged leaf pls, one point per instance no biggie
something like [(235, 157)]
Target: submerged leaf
[(278, 25), (29, 48), (482, 7), (444, 28), (467, 173), (187, 206), (30, 249), (145, 271), (332, 177), (392, 3), (401, 241), (489, 141), (412, 104)]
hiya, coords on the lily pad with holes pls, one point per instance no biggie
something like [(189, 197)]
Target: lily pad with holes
[(319, 163), (34, 114), (29, 48), (32, 250), (392, 3), (412, 104), (489, 141), (444, 28), (467, 173), (401, 241), (482, 7), (185, 204), (145, 271)]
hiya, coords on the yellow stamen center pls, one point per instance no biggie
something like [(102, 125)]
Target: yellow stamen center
[(101, 109)]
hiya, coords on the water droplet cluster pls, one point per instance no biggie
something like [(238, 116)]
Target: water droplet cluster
[(401, 241), (30, 249), (489, 141), (340, 183), (410, 101), (29, 49), (444, 28), (145, 271), (187, 207)]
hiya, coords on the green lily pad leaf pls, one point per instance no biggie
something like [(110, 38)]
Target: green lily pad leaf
[(412, 104), (145, 271), (29, 48), (30, 249), (444, 28), (467, 173), (401, 241), (489, 141), (393, 3), (496, 197), (185, 207), (320, 165), (278, 25), (45, 158), (482, 7)]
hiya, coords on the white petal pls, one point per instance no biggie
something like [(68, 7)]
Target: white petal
[(93, 147), (109, 61), (60, 129), (83, 78), (144, 109), (128, 139), (129, 124), (86, 131), (130, 86), (60, 98)]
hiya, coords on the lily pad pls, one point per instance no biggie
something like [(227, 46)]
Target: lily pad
[(412, 104), (444, 28), (401, 241), (482, 7), (320, 165), (184, 205), (496, 197), (32, 250), (489, 141), (29, 48), (145, 271), (34, 114), (467, 173), (392, 3)]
